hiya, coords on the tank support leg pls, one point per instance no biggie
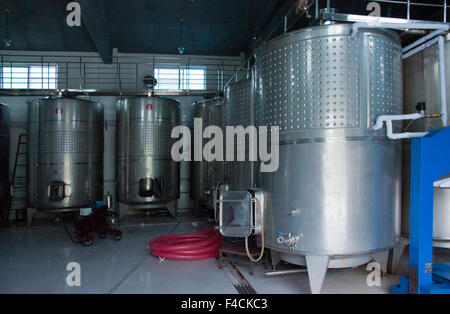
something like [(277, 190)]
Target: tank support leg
[(317, 268), (196, 208), (172, 208), (382, 258), (30, 213), (275, 258), (395, 255), (122, 209)]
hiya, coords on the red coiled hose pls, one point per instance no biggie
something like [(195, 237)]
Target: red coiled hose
[(194, 246)]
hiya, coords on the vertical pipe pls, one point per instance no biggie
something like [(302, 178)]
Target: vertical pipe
[(67, 75), (80, 80), (180, 84), (317, 9), (443, 82), (153, 70), (218, 77), (42, 72), (408, 10), (137, 76), (1, 78), (187, 75), (285, 24), (445, 11), (248, 69)]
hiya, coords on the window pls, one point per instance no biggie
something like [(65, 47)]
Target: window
[(187, 78), (29, 77)]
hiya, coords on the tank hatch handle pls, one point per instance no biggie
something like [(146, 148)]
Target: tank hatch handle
[(235, 214), (241, 213)]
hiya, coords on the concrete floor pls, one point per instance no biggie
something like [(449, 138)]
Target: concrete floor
[(34, 260)]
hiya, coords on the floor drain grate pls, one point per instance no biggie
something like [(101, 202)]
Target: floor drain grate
[(245, 288), (240, 283)]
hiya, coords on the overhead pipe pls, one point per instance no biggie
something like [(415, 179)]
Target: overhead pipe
[(443, 81), (388, 119)]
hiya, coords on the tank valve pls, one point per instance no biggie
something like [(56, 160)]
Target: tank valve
[(291, 241), (288, 239), (280, 240)]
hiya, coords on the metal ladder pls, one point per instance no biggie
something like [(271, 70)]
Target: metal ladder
[(19, 183)]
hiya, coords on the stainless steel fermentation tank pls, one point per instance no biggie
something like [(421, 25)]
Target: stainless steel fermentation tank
[(148, 177), (5, 191), (64, 154), (421, 84), (238, 110), (335, 199), (206, 175)]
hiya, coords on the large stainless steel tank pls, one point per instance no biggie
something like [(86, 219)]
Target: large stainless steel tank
[(146, 171), (64, 153), (421, 84), (205, 175), (336, 195), (4, 154), (238, 110)]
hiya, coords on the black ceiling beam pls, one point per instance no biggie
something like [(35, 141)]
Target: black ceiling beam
[(93, 17)]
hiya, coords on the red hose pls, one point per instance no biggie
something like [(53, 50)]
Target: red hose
[(194, 246)]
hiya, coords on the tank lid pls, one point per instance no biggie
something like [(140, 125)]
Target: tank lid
[(338, 29)]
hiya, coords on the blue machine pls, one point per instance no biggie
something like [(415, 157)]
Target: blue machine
[(430, 160)]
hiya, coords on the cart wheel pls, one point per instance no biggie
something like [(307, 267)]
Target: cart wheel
[(117, 237), (102, 235), (87, 240)]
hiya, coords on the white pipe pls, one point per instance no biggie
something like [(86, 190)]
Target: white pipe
[(444, 183), (396, 136), (443, 81)]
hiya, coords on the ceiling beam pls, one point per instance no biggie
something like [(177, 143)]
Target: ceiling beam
[(93, 17)]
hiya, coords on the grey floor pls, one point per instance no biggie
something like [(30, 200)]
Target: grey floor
[(34, 260)]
